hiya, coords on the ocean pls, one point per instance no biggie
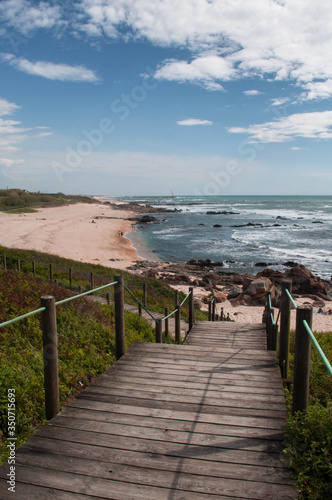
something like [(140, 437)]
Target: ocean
[(249, 230)]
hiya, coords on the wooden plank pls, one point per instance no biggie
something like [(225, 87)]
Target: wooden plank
[(169, 422), (138, 475), (230, 407), (43, 447), (210, 453), (218, 418), (171, 435), (173, 385), (226, 429), (188, 395)]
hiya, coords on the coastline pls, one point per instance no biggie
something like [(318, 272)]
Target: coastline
[(89, 233), (101, 234)]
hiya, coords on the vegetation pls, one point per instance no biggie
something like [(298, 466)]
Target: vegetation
[(17, 200), (86, 343), (85, 331), (309, 437), (159, 295)]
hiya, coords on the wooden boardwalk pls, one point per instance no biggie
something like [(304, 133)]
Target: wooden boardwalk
[(197, 421)]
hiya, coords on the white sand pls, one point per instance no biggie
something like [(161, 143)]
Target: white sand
[(69, 232), (253, 314)]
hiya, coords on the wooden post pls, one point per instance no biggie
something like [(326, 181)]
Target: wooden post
[(274, 337), (79, 289), (108, 298), (34, 268), (4, 261), (269, 326), (191, 308), (70, 277), (228, 318), (139, 309), (144, 294), (50, 354), (159, 333), (18, 264), (178, 324), (119, 316), (222, 314), (210, 310), (214, 310), (285, 309), (302, 360), (51, 272), (166, 322), (91, 281), (176, 298)]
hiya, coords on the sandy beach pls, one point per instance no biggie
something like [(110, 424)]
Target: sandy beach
[(253, 314), (85, 232), (96, 233)]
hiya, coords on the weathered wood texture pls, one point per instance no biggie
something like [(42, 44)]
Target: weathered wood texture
[(168, 422)]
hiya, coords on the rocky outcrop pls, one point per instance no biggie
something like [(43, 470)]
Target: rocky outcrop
[(255, 293)]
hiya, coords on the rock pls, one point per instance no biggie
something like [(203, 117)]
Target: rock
[(255, 293), (220, 297), (224, 212), (234, 292), (290, 263), (198, 304), (317, 222), (319, 303), (305, 282), (274, 276), (217, 225), (246, 283), (147, 218), (261, 264)]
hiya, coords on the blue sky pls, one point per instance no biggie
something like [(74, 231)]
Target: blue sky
[(141, 97)]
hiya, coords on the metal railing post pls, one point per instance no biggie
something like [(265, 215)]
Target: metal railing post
[(302, 360), (50, 355), (119, 316)]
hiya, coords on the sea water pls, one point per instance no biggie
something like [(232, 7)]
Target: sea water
[(285, 228)]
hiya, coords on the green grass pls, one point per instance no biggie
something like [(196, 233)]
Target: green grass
[(85, 331), (86, 343), (309, 436), (18, 201), (159, 295)]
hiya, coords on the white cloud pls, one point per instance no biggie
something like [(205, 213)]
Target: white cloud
[(204, 70), (51, 71), (8, 162), (252, 92), (307, 125), (317, 90), (279, 101), (194, 121), (229, 39), (281, 40), (26, 16), (7, 108), (296, 148)]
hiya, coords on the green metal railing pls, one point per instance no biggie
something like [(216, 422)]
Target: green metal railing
[(307, 328)]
